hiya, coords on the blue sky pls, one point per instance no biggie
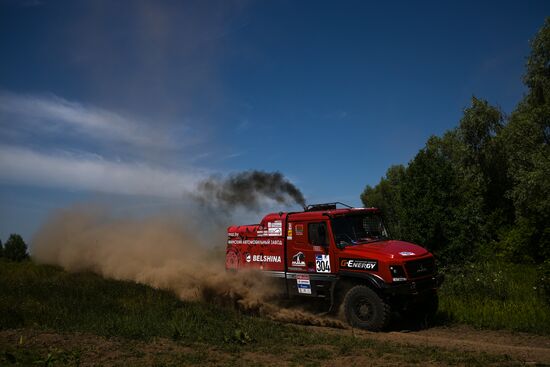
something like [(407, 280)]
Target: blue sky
[(133, 102)]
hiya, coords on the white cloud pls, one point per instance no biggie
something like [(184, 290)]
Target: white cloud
[(53, 114), (21, 165)]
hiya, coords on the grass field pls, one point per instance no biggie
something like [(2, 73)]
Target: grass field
[(496, 296), (43, 298)]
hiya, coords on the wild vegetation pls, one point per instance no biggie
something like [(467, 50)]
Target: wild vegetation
[(14, 249), (495, 295), (87, 315), (479, 198)]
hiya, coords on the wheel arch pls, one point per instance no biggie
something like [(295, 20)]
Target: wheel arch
[(371, 280)]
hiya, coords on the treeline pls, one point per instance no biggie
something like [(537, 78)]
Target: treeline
[(15, 248), (481, 190)]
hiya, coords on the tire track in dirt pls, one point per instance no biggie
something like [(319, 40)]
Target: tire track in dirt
[(97, 350), (526, 347)]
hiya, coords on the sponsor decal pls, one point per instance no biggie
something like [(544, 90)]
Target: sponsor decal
[(299, 259), (299, 229), (407, 253), (266, 259), (275, 224), (275, 228), (303, 284), (275, 232), (359, 264), (254, 242), (233, 234), (322, 263), (289, 232), (248, 257)]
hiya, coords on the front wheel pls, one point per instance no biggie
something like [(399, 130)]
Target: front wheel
[(365, 309)]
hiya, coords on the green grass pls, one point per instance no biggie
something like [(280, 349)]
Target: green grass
[(49, 298), (497, 296), (33, 357), (46, 298), (486, 295)]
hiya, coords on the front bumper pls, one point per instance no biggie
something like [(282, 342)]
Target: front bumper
[(415, 287)]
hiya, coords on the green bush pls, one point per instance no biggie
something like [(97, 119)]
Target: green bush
[(15, 248), (497, 295)]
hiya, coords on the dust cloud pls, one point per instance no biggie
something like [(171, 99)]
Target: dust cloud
[(161, 251)]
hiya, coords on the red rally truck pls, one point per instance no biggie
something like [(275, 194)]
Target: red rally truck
[(343, 256)]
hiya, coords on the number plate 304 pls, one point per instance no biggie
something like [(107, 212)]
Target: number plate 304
[(322, 263)]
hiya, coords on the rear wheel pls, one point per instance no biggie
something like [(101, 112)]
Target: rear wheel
[(365, 309)]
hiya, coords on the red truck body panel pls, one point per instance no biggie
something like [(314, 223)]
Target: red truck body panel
[(257, 246), (341, 256), (282, 242)]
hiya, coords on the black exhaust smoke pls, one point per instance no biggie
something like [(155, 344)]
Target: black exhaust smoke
[(247, 189)]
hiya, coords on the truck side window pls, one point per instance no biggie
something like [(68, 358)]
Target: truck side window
[(317, 233)]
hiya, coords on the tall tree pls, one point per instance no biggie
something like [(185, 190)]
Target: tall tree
[(484, 185), (386, 196), (527, 139), (15, 248), (441, 206), (483, 163)]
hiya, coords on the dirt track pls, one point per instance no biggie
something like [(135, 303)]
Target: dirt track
[(522, 346), (95, 350)]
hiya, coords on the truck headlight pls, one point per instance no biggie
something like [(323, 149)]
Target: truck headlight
[(398, 273)]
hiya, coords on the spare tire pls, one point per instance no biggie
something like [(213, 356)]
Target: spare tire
[(365, 309)]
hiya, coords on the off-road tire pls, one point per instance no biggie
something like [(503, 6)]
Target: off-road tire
[(365, 309)]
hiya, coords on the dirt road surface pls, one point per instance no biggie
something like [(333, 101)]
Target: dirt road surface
[(91, 350), (525, 347)]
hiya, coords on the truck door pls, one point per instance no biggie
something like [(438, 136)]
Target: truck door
[(309, 262), (318, 240), (299, 256)]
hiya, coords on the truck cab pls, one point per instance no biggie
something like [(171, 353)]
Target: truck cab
[(342, 255)]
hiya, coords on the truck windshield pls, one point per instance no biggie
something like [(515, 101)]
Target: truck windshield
[(356, 229)]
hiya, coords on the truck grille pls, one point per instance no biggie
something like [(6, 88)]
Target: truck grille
[(420, 268)]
